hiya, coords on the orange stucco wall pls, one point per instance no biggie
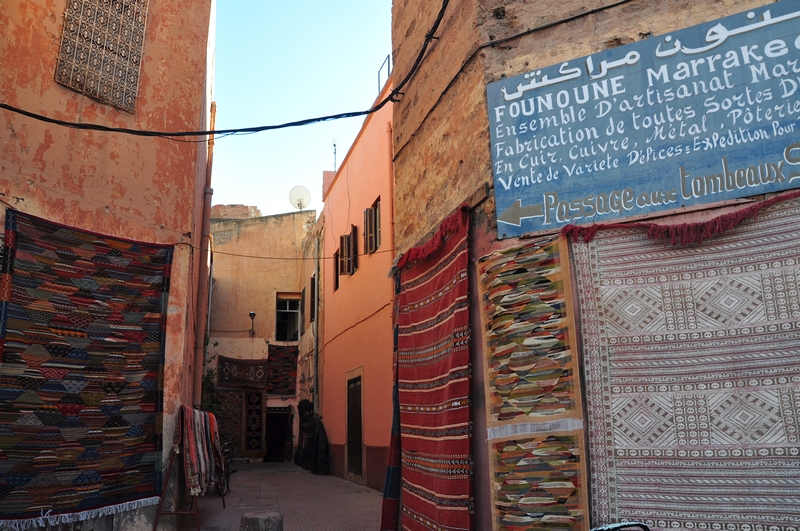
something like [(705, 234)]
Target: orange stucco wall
[(140, 188), (358, 316)]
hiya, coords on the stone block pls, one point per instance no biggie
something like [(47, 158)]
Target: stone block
[(261, 521)]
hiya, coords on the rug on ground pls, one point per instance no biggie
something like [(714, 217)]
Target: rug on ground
[(692, 368), (433, 372), (533, 398), (82, 344)]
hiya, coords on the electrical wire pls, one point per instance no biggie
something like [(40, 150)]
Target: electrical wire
[(171, 135), (497, 42), (288, 259)]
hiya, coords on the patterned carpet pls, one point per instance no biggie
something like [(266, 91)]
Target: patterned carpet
[(80, 382), (532, 393), (692, 367), (282, 362)]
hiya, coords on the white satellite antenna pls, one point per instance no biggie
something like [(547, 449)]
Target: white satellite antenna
[(299, 197)]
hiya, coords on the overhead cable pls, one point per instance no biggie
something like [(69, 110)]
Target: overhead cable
[(174, 135)]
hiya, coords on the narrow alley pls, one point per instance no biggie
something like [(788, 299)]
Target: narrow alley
[(306, 501)]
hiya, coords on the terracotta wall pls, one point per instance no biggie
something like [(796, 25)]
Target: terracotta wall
[(441, 139), (358, 315), (141, 188)]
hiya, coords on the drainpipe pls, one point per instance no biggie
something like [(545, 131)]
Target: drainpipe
[(317, 317), (203, 278)]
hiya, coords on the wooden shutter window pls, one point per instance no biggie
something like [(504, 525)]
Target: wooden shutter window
[(343, 255), (377, 219), (353, 249), (370, 240)]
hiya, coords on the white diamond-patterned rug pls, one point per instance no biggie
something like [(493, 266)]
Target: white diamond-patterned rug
[(692, 368)]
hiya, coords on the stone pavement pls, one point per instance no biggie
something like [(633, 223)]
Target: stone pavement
[(307, 502)]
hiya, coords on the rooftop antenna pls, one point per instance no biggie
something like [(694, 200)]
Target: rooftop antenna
[(334, 154), (299, 197)]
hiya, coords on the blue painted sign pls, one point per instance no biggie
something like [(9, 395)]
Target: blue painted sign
[(702, 115)]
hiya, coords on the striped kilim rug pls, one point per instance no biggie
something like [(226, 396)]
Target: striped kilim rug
[(82, 345), (433, 359), (692, 368)]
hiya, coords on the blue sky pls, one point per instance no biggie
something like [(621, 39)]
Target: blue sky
[(279, 62)]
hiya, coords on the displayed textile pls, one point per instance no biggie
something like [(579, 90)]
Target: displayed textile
[(232, 372), (217, 463), (683, 233), (692, 368), (312, 448), (537, 483), (254, 423), (534, 422), (390, 507), (201, 449), (282, 363), (530, 365), (433, 374), (82, 339)]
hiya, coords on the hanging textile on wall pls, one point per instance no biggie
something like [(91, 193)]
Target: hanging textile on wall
[(533, 403), (692, 367), (233, 372), (433, 366), (254, 423), (282, 364), (82, 342)]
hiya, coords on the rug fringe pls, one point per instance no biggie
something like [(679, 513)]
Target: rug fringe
[(531, 428), (47, 519)]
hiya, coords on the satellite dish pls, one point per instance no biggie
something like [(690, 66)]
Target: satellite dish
[(299, 197)]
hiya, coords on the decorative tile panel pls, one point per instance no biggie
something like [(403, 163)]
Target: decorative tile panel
[(101, 50)]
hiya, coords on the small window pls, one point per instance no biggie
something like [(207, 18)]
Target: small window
[(372, 227), (303, 312), (348, 252), (287, 319)]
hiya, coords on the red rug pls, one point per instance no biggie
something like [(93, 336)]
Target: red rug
[(433, 360)]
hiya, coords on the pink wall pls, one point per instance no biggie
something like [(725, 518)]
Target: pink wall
[(358, 316)]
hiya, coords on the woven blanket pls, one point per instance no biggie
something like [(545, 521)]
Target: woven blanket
[(433, 360), (692, 367), (530, 366), (282, 362), (200, 442), (532, 393), (232, 372), (254, 424), (82, 344), (390, 506)]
